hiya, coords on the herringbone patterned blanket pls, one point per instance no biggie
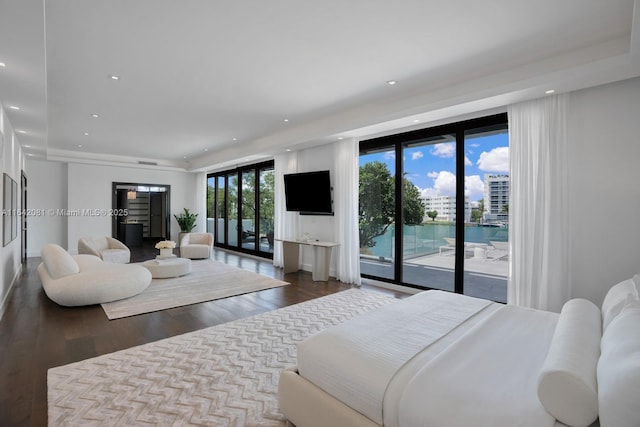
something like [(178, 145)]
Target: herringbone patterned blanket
[(225, 375)]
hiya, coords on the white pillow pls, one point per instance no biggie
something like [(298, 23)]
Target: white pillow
[(619, 371), (618, 297), (567, 384)]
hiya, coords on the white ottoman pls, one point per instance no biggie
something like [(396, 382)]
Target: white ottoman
[(170, 267)]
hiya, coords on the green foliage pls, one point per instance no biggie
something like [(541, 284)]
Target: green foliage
[(432, 214), (476, 215), (376, 211), (211, 201), (230, 208), (413, 207), (186, 220), (267, 200), (377, 202)]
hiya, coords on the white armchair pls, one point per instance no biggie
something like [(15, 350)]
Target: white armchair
[(106, 248), (196, 245)]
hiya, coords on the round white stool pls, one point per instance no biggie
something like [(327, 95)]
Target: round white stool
[(170, 267)]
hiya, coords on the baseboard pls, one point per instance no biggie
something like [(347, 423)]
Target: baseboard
[(5, 299)]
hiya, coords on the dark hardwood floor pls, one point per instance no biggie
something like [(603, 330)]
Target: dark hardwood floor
[(37, 334)]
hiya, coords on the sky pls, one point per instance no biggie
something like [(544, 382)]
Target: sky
[(431, 168)]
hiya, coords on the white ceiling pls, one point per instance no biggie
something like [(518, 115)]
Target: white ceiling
[(206, 84)]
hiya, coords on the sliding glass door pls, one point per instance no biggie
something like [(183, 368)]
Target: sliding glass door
[(377, 212), (236, 199), (421, 226), (429, 210)]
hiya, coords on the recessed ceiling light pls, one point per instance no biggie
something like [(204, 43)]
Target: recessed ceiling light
[(340, 138), (235, 139), (79, 145), (114, 77), (26, 146), (550, 91), (288, 149), (13, 107), (391, 82), (416, 121), (2, 64), (95, 116), (286, 120), (86, 134), (206, 149), (21, 131)]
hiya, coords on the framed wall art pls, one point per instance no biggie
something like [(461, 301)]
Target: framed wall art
[(9, 207)]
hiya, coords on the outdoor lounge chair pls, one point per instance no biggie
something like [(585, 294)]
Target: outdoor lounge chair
[(450, 246), (469, 248), (500, 250)]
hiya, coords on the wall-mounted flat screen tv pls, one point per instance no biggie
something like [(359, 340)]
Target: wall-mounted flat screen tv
[(308, 193)]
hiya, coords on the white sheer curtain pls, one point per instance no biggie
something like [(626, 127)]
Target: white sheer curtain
[(345, 196), (285, 224), (539, 272), (201, 202)]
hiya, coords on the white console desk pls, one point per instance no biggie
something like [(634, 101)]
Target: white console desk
[(321, 257)]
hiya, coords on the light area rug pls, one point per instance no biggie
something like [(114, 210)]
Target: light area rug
[(225, 375), (208, 280)]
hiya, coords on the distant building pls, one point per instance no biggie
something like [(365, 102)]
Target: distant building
[(496, 198), (446, 208)]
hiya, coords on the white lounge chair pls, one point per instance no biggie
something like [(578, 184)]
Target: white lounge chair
[(450, 246), (500, 250)]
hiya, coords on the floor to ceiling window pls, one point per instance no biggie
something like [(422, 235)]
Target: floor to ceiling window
[(413, 207), (240, 208)]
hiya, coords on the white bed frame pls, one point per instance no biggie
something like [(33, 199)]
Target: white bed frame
[(307, 405)]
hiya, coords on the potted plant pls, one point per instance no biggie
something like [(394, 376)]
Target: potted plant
[(186, 221)]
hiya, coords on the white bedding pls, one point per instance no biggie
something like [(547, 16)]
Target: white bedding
[(488, 378), (355, 361), (436, 359)]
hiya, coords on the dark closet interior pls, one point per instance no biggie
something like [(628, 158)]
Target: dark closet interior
[(142, 212)]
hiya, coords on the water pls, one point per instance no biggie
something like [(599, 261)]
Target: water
[(426, 239)]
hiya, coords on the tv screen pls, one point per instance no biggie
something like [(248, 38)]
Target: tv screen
[(308, 192)]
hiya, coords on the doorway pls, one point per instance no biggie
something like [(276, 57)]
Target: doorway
[(23, 220), (142, 212)]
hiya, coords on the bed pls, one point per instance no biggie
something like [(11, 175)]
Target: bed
[(441, 359)]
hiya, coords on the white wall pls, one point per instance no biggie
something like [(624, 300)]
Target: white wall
[(47, 190), (87, 188), (604, 183), (12, 162), (319, 227)]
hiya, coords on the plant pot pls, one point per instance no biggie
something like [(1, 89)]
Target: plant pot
[(166, 252)]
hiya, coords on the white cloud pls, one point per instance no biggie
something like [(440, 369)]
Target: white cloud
[(416, 155), (389, 155), (445, 150), (473, 187), (428, 192), (467, 162), (444, 184), (496, 160)]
